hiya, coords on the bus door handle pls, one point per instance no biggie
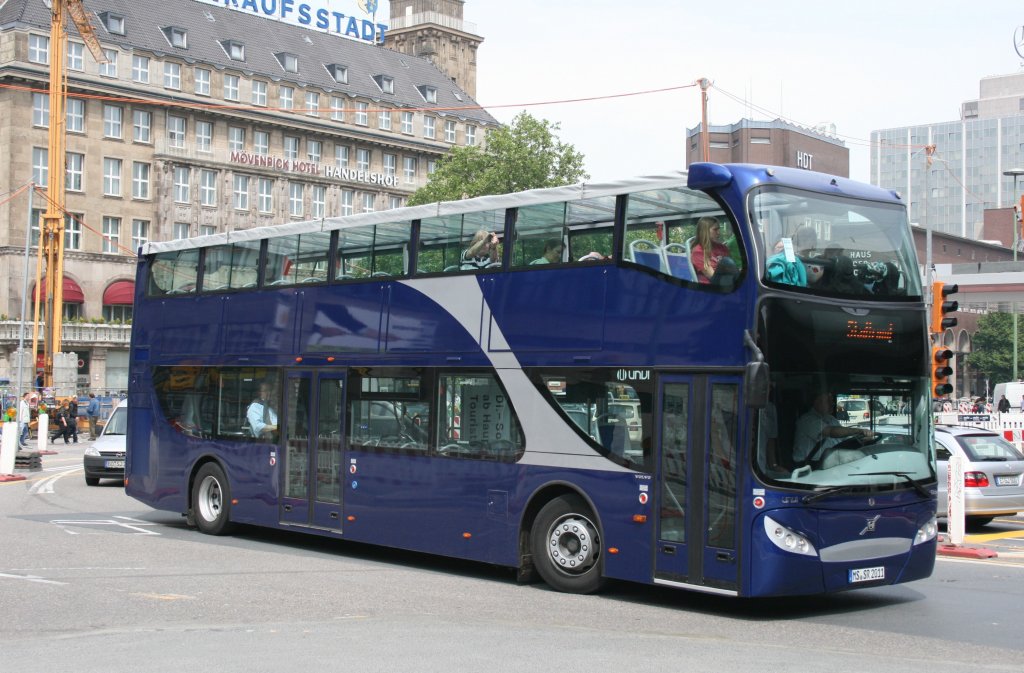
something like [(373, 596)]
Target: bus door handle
[(287, 508), (725, 557)]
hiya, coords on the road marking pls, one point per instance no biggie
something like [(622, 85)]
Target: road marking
[(45, 485), (126, 523), (31, 578), (166, 597), (988, 537)]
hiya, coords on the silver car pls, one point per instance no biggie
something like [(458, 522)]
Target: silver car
[(993, 473)]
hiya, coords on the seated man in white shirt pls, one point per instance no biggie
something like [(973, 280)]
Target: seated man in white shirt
[(818, 430), (261, 415)]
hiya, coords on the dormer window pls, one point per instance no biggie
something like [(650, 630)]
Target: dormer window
[(290, 62), (176, 37), (114, 23), (234, 49), (339, 73), (385, 82), (429, 93)]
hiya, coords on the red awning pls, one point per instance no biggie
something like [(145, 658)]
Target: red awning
[(119, 293), (72, 292)]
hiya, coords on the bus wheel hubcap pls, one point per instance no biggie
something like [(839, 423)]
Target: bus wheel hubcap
[(573, 544), (210, 499)]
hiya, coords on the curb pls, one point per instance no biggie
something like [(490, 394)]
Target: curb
[(960, 551), (12, 477)]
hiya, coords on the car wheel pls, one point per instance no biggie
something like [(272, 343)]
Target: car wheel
[(211, 500), (92, 481), (566, 546), (978, 521)]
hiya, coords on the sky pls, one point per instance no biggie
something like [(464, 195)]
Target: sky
[(862, 65)]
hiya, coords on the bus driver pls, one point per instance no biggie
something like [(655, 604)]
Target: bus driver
[(260, 414)]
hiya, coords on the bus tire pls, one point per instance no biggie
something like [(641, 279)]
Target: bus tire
[(566, 546), (211, 500)]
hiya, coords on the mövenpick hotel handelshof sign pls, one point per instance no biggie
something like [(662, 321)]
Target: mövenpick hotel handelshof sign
[(312, 168)]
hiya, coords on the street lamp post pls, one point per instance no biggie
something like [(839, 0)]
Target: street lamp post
[(1015, 172)]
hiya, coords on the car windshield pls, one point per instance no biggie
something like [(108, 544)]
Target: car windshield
[(835, 246), (117, 424), (988, 448)]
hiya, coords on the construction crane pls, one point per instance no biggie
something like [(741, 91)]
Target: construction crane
[(51, 239)]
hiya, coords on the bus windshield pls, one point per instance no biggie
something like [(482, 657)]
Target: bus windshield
[(835, 246)]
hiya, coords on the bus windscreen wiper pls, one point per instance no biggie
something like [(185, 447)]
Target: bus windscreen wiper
[(818, 495), (910, 480)]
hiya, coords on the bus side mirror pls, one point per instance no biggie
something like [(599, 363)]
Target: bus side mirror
[(755, 384)]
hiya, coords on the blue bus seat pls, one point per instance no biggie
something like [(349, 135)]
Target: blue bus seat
[(678, 259), (647, 253)]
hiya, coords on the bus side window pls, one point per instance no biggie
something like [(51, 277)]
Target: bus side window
[(174, 273)]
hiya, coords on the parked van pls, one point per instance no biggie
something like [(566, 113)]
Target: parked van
[(1014, 391)]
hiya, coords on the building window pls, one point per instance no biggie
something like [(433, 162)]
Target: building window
[(312, 104), (384, 120), (407, 123), (261, 143), (236, 139), (289, 62), (341, 156), (111, 177), (142, 123), (449, 131), (428, 127), (291, 147), (362, 160), (368, 202), (172, 75), (112, 115), (287, 97), (295, 195), (111, 233), (265, 195), (176, 37), (207, 187), (240, 197), (140, 180), (231, 87), (75, 115), (204, 136), (338, 108), (41, 109), (470, 135), (74, 171), (234, 50), (314, 149), (319, 201), (38, 49), (362, 115), (431, 166), (114, 23), (409, 169), (339, 73), (175, 131), (347, 199), (259, 92), (109, 69), (73, 231), (76, 59), (181, 230), (394, 202), (203, 77), (140, 69), (40, 166), (140, 233), (182, 187), (390, 165), (429, 93), (386, 83), (116, 313)]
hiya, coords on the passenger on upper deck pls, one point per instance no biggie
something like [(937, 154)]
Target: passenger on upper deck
[(482, 251), (709, 251), (786, 265), (552, 252)]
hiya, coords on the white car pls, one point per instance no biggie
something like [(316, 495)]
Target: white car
[(104, 459), (993, 473), (857, 411)]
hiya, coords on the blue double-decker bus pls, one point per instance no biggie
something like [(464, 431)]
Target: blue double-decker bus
[(643, 380)]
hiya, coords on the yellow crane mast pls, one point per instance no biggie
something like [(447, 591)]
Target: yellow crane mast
[(51, 239)]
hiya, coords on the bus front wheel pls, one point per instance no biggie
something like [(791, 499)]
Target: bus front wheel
[(211, 500), (566, 546)]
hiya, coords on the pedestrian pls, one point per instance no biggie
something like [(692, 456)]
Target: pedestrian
[(73, 419), (60, 423), (24, 416), (92, 412), (1004, 405)]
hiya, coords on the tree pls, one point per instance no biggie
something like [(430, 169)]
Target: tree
[(526, 154), (992, 347)]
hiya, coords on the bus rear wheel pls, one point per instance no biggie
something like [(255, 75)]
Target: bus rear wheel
[(211, 500), (566, 546)]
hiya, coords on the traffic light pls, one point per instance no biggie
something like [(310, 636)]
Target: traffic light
[(941, 371), (941, 306)]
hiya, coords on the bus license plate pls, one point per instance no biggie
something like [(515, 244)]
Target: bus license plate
[(1008, 480), (867, 574), (113, 463)]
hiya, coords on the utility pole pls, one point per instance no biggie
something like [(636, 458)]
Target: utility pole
[(705, 139)]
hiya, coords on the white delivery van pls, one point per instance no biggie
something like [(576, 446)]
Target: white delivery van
[(1014, 391)]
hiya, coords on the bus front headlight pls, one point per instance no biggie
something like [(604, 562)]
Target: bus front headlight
[(788, 539), (927, 532)]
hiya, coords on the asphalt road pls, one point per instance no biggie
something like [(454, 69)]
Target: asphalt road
[(91, 580)]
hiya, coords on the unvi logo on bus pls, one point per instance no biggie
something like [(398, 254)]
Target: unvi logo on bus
[(315, 14), (633, 375)]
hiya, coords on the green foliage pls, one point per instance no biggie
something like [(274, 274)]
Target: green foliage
[(992, 347), (526, 154)]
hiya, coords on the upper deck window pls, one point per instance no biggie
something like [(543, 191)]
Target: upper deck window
[(299, 258), (836, 246), (461, 242), (231, 267), (581, 228), (373, 251), (174, 272)]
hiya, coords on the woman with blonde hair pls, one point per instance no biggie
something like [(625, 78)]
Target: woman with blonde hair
[(708, 250)]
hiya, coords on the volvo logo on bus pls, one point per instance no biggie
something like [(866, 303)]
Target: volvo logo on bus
[(633, 375), (869, 524)]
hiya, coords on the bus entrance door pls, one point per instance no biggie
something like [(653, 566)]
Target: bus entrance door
[(314, 418), (696, 492)]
